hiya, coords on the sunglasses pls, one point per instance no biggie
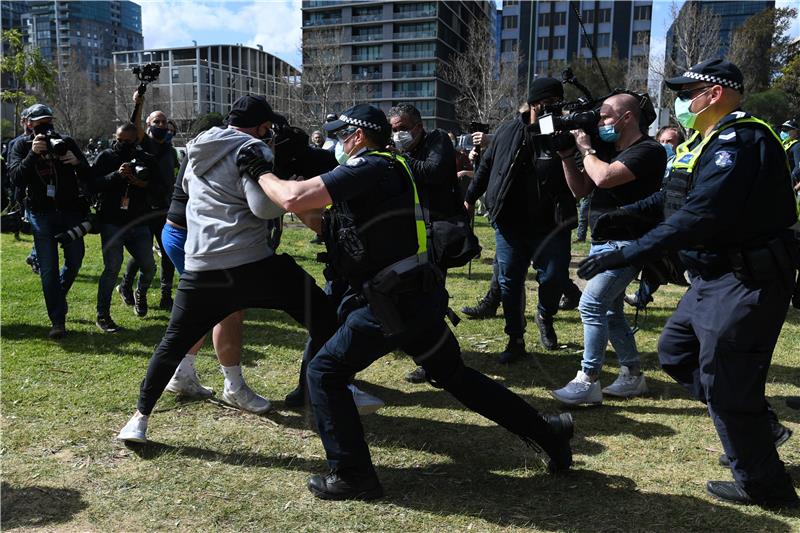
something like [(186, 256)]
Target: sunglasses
[(345, 134), (687, 94)]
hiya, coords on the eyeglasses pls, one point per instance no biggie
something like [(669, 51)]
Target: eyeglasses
[(343, 135), (686, 94)]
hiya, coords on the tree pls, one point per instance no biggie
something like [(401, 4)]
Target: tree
[(488, 91), (788, 81), (323, 89), (30, 74), (759, 46), (205, 122), (695, 37), (772, 105)]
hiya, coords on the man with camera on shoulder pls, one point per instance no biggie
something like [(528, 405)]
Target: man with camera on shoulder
[(53, 170), (122, 178), (630, 168)]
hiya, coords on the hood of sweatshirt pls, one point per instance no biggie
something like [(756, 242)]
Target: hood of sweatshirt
[(216, 144)]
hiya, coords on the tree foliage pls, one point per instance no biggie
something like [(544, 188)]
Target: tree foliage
[(759, 46), (31, 75), (788, 81), (772, 105), (207, 121)]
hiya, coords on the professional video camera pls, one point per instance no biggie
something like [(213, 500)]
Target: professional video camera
[(578, 114), (147, 73)]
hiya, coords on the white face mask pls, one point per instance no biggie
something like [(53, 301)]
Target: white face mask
[(402, 139)]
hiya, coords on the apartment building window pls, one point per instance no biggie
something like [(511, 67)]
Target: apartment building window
[(551, 43), (368, 33), (508, 3), (556, 19), (194, 73), (176, 74), (510, 22), (414, 9), (415, 70), (411, 89), (603, 40), (541, 67), (508, 45), (411, 31), (642, 12), (366, 14), (366, 53), (604, 15), (367, 72), (641, 37), (414, 50), (324, 17)]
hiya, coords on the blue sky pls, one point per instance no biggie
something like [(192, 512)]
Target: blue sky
[(276, 24)]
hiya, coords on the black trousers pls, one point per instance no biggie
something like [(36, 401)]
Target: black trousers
[(155, 222), (204, 298)]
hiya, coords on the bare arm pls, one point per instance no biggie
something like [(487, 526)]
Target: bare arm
[(295, 196), (136, 117), (312, 219)]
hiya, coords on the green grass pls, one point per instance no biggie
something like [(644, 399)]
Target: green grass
[(640, 465)]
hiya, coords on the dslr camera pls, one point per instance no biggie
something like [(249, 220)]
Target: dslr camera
[(140, 169), (55, 144)]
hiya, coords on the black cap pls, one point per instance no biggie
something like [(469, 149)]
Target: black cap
[(790, 124), (38, 111), (251, 110), (542, 88), (361, 116), (716, 71)]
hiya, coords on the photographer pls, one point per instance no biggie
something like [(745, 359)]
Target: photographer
[(157, 141), (529, 203), (123, 178), (633, 172), (53, 170)]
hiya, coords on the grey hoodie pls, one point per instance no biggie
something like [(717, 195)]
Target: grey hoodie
[(227, 214)]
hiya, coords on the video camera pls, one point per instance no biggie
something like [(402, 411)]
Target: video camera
[(147, 73), (577, 114)]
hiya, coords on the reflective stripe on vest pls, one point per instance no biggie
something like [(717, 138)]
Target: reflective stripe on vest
[(422, 230), (788, 143)]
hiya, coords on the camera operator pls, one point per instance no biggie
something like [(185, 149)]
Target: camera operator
[(633, 172), (123, 178), (157, 141), (53, 171), (528, 202), (432, 158)]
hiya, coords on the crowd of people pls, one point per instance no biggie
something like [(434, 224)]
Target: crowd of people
[(714, 212)]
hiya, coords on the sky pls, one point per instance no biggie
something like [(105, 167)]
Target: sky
[(276, 24)]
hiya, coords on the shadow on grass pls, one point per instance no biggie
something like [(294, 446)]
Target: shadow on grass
[(38, 506), (580, 500)]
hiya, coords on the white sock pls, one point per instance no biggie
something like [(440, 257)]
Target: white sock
[(186, 366), (233, 377)]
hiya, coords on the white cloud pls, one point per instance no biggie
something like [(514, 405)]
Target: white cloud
[(275, 24), (794, 29)]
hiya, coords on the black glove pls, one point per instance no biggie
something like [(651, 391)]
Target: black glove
[(595, 264), (251, 162), (614, 226)]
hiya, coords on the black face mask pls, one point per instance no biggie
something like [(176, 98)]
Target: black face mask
[(158, 133), (124, 149), (43, 129)]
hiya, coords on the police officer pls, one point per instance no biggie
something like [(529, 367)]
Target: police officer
[(376, 239), (790, 137), (727, 206)]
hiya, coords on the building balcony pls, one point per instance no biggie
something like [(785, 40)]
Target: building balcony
[(414, 74), (368, 76), (412, 94), (420, 13), (321, 22), (415, 35), (322, 3), (365, 58), (424, 54), (367, 37), (368, 18)]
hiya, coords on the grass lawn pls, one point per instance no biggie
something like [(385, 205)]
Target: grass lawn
[(640, 464)]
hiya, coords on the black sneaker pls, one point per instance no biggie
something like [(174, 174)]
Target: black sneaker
[(33, 262), (106, 324), (335, 487), (515, 349), (296, 398), (781, 434), (564, 428), (729, 491), (166, 302), (547, 334), (140, 303), (57, 331), (484, 309), (126, 293), (417, 375), (569, 302)]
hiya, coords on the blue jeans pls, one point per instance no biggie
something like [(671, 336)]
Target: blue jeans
[(55, 284), (137, 240), (583, 219), (173, 239), (603, 317), (549, 253)]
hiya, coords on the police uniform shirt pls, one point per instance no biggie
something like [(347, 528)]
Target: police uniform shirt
[(646, 159), (365, 187), (740, 196)]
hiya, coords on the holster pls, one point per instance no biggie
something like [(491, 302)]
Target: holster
[(778, 258)]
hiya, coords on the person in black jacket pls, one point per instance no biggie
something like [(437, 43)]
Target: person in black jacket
[(123, 177), (55, 203), (529, 205)]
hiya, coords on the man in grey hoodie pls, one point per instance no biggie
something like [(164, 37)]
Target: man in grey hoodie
[(229, 264)]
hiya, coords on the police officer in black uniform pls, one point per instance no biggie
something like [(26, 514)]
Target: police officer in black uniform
[(727, 207), (376, 240)]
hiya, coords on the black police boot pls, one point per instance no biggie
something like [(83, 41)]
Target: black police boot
[(336, 486), (515, 349), (547, 333), (140, 302), (166, 300), (793, 402), (564, 428), (126, 292), (779, 432), (486, 308), (779, 495), (417, 375), (297, 398)]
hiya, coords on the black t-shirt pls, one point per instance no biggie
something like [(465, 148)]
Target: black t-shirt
[(646, 159)]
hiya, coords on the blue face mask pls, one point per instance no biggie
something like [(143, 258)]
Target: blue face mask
[(341, 155), (784, 135), (670, 150), (608, 133)]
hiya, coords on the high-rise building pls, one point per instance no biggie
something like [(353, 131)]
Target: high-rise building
[(82, 35), (732, 14), (545, 32), (393, 51), (197, 80)]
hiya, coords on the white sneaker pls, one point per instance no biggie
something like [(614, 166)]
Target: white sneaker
[(135, 430), (366, 403), (626, 385), (579, 391), (246, 400), (188, 385)]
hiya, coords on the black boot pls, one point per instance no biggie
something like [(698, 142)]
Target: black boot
[(515, 349), (779, 495), (166, 300), (297, 398), (140, 302), (485, 308), (336, 486), (126, 292), (547, 333)]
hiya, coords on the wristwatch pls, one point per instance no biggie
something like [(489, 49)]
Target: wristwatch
[(590, 151)]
